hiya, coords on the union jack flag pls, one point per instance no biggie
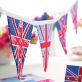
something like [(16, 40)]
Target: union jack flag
[(74, 14), (61, 25), (20, 32), (73, 74), (44, 33)]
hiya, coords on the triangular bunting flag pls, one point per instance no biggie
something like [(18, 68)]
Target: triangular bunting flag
[(61, 25), (73, 74), (20, 32), (74, 14), (44, 33)]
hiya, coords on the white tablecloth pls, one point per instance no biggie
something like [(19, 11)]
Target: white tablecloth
[(56, 69)]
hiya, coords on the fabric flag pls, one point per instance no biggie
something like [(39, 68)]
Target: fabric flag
[(44, 33), (61, 25), (20, 32), (73, 74), (73, 12)]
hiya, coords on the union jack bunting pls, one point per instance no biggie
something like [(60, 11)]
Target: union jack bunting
[(44, 33), (73, 74), (61, 25), (20, 32), (73, 12)]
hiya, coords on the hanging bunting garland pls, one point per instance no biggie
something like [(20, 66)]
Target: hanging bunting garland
[(61, 25), (73, 12), (21, 31), (44, 33), (20, 36), (73, 74)]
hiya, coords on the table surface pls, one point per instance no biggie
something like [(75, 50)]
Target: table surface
[(56, 69)]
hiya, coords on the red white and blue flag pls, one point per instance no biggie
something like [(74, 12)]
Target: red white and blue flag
[(73, 12), (73, 74), (44, 33), (61, 25), (20, 32)]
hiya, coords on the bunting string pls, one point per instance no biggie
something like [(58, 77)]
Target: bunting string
[(20, 29)]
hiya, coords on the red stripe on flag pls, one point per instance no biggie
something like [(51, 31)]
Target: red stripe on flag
[(71, 78), (45, 44), (14, 25), (46, 49), (19, 41), (26, 30), (15, 54), (20, 64)]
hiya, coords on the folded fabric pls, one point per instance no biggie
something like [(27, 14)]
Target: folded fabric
[(73, 74)]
